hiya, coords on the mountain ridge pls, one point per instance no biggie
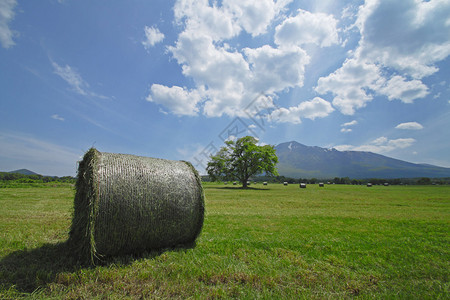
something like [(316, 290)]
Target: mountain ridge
[(301, 161), (23, 172)]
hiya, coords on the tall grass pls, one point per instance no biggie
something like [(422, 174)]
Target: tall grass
[(268, 242)]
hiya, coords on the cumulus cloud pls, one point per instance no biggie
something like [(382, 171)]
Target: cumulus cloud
[(201, 18), (152, 36), (227, 78), (316, 108), (254, 16), (305, 28), (406, 91), (273, 69), (380, 145), (409, 126), (6, 16), (409, 37), (179, 100), (349, 85)]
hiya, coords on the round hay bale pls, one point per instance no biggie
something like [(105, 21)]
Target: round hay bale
[(369, 184), (126, 204)]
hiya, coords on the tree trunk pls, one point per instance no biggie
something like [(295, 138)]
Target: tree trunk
[(244, 184)]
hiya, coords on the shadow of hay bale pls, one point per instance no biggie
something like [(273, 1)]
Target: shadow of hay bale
[(28, 270)]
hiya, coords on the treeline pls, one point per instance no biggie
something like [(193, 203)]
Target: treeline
[(347, 180), (22, 180)]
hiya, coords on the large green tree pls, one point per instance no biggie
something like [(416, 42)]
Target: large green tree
[(241, 159)]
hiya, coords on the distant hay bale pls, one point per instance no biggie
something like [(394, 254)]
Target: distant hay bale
[(369, 185), (234, 183), (303, 185), (265, 183), (126, 204), (386, 184), (285, 183), (321, 184)]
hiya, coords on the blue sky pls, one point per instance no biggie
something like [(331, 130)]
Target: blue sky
[(174, 79)]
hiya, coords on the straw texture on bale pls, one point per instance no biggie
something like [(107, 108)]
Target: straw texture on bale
[(126, 204)]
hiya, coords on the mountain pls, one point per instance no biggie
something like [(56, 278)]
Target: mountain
[(24, 172), (299, 161)]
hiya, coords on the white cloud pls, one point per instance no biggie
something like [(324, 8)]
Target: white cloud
[(379, 145), (305, 28), (409, 126), (75, 80), (179, 100), (408, 37), (205, 20), (57, 117), (6, 16), (345, 126), (72, 78), (316, 108), (254, 16), (153, 36), (351, 123), (406, 91), (224, 77), (350, 83), (276, 69)]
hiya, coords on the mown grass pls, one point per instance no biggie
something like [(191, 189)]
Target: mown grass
[(273, 242)]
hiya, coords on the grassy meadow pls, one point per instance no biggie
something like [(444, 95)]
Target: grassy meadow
[(269, 242)]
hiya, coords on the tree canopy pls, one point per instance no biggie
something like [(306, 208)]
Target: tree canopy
[(241, 159)]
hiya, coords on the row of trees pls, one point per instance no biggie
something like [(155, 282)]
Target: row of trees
[(11, 178), (347, 180)]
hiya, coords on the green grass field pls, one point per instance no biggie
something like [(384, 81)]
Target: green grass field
[(274, 242)]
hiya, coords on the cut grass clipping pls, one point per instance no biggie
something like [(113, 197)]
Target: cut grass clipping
[(126, 204)]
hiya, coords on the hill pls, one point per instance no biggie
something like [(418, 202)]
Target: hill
[(24, 172), (299, 161)]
